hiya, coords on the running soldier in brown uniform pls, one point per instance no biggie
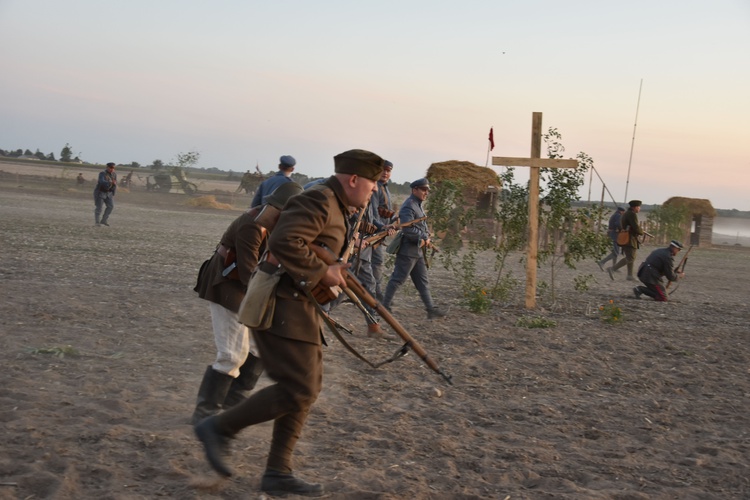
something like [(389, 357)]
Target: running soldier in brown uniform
[(291, 349)]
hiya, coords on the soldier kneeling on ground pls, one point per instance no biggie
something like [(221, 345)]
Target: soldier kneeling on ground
[(659, 264)]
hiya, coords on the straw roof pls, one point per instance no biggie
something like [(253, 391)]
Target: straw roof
[(476, 179), (695, 205)]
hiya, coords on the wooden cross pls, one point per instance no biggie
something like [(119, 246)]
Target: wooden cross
[(535, 163)]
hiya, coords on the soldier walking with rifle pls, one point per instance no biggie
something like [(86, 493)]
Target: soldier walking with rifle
[(384, 207), (363, 267), (411, 260), (659, 264), (629, 223), (362, 263)]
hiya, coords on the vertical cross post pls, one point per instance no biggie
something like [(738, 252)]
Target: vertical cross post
[(534, 162)]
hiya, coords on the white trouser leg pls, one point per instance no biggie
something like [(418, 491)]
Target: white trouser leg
[(232, 339)]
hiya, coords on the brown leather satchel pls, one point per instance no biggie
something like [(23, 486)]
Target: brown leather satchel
[(623, 238)]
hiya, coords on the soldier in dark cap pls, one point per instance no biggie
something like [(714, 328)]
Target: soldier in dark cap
[(104, 195), (369, 261), (659, 264), (223, 283), (268, 186), (629, 222), (410, 259), (291, 347)]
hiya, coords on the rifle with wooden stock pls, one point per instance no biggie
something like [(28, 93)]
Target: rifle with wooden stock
[(680, 267), (353, 284), (425, 246), (380, 235)]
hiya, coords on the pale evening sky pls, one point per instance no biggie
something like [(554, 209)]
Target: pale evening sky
[(414, 81)]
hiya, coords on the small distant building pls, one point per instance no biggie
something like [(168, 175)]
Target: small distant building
[(702, 213)]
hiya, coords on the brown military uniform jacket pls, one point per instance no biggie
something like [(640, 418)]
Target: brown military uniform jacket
[(248, 240), (629, 221), (317, 215)]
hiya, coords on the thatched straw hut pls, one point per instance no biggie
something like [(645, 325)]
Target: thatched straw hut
[(481, 188), (481, 184), (702, 215)]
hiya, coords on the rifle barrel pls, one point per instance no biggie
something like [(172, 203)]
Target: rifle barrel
[(353, 284), (374, 238), (359, 290)]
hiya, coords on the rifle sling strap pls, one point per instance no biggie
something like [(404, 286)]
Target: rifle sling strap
[(332, 326)]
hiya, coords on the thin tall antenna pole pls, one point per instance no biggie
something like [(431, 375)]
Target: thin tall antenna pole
[(632, 143)]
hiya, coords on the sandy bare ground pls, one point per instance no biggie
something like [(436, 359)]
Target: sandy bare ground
[(103, 344)]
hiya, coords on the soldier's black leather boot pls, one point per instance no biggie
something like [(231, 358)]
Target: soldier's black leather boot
[(215, 444), (279, 483), (435, 313), (211, 394), (250, 372)]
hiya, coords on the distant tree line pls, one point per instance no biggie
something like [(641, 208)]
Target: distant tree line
[(186, 161), (66, 155), (27, 154)]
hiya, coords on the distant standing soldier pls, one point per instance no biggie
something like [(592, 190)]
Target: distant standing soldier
[(660, 263), (629, 222), (245, 182), (410, 259), (612, 229), (127, 181), (286, 167), (104, 194), (80, 180)]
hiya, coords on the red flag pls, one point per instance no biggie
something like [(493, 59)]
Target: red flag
[(492, 140)]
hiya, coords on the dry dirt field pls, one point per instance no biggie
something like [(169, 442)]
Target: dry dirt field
[(103, 344)]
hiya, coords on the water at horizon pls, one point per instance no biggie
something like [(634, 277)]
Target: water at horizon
[(731, 227)]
